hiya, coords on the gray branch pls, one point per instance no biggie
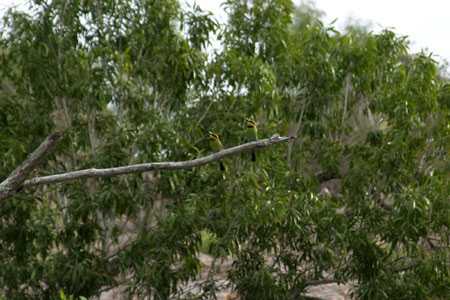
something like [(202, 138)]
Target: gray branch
[(322, 282), (145, 167), (15, 180)]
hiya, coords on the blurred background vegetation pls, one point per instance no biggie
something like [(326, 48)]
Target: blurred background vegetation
[(361, 196)]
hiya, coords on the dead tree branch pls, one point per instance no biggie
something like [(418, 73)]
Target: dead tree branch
[(137, 168), (15, 180)]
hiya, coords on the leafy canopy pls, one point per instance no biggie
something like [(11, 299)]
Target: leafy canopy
[(361, 196)]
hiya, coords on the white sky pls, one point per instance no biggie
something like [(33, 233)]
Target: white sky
[(426, 23)]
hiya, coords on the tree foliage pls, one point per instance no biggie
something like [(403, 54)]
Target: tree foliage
[(362, 196)]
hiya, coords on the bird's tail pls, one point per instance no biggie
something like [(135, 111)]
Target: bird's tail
[(253, 156), (222, 166)]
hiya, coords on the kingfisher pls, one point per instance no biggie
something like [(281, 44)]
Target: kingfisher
[(216, 145)]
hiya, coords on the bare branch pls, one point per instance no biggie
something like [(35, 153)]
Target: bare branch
[(14, 181), (145, 167), (306, 297), (322, 282)]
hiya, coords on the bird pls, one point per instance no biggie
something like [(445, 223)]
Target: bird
[(252, 133), (216, 145)]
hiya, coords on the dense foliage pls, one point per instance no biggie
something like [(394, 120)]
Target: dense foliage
[(361, 196)]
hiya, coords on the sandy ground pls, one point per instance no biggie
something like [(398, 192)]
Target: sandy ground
[(326, 291)]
